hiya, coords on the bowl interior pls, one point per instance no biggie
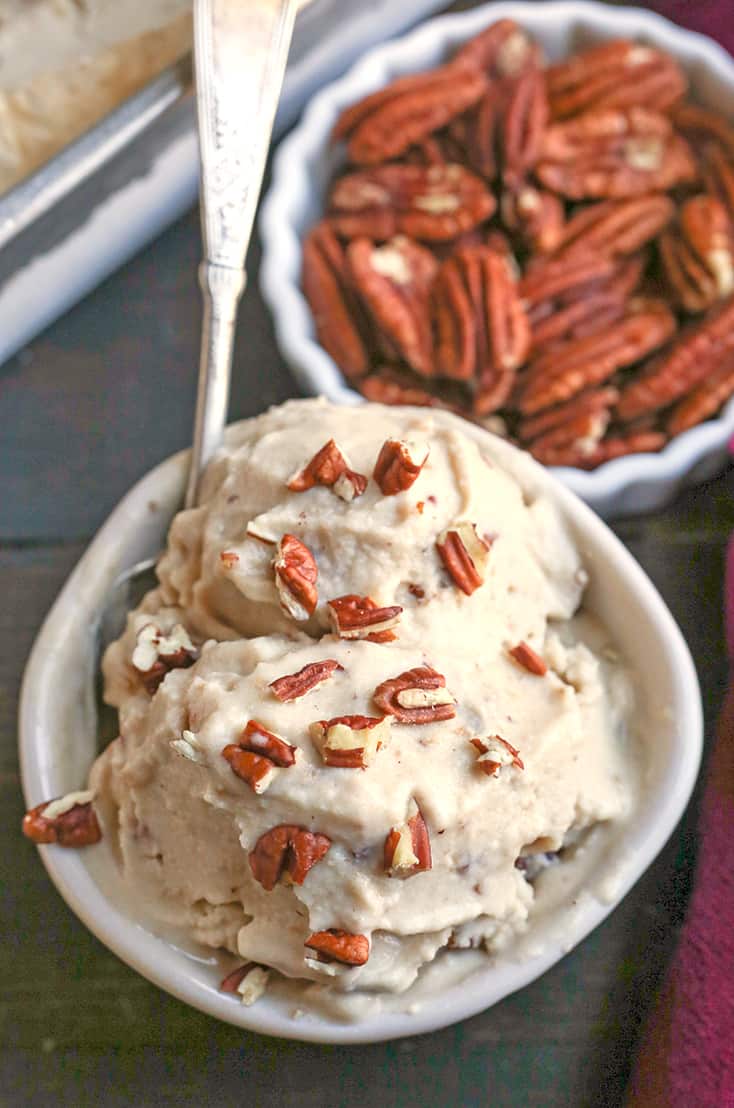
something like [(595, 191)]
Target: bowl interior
[(58, 743)]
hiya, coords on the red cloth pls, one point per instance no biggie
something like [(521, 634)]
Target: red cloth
[(687, 1054), (711, 17)]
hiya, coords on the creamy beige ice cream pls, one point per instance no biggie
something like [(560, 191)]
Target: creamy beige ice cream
[(251, 819)]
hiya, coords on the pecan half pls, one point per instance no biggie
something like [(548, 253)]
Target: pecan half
[(698, 254), (350, 742), (563, 417), (526, 657), (686, 363), (407, 847), (295, 685), (383, 125), (718, 176), (329, 467), (338, 946), (395, 386), (482, 330), (614, 154), (524, 121), (501, 50), (68, 821), (704, 128), (535, 216), (570, 368), (433, 203), (464, 554), (296, 574), (286, 850), (581, 435), (417, 696), (359, 617), (547, 280), (619, 446), (398, 465), (249, 981), (705, 400), (618, 74), (156, 653), (394, 281), (340, 324), (616, 228), (495, 753)]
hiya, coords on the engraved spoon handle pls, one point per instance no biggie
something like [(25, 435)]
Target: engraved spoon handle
[(240, 52)]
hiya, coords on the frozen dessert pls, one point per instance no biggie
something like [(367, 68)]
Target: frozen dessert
[(65, 64), (364, 708)]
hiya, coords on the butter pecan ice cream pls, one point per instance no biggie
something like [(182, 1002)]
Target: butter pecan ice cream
[(361, 711)]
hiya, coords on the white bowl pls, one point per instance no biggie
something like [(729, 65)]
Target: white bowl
[(58, 744), (304, 164)]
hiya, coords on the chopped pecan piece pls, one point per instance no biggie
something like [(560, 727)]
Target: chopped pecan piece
[(68, 821), (338, 946), (295, 685), (483, 333), (256, 755), (393, 281), (329, 467), (687, 362), (616, 228), (526, 657), (705, 399), (156, 653), (698, 254), (570, 368), (432, 204), (501, 50), (296, 574), (614, 154), (494, 753), (338, 317), (286, 850), (385, 124), (617, 74), (417, 696), (259, 740), (350, 742), (408, 847), (358, 617), (249, 981), (464, 554), (398, 465)]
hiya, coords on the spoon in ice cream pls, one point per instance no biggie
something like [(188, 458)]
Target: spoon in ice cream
[(240, 53)]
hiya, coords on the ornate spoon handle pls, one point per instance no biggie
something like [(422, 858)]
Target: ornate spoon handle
[(240, 52)]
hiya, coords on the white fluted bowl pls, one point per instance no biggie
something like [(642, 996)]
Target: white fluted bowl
[(58, 744), (305, 162)]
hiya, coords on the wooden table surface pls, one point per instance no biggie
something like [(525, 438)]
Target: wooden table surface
[(86, 410)]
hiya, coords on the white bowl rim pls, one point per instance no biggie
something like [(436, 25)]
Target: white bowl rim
[(156, 959), (315, 369)]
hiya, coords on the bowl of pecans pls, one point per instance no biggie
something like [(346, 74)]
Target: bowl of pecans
[(524, 214)]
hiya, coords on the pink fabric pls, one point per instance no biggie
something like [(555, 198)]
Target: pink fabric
[(711, 17), (687, 1054)]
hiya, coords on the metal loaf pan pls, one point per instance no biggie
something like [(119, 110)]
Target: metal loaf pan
[(106, 195)]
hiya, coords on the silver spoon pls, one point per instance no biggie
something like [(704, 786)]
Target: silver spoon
[(240, 53)]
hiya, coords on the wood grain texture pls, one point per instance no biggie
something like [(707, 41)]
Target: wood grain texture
[(96, 401)]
